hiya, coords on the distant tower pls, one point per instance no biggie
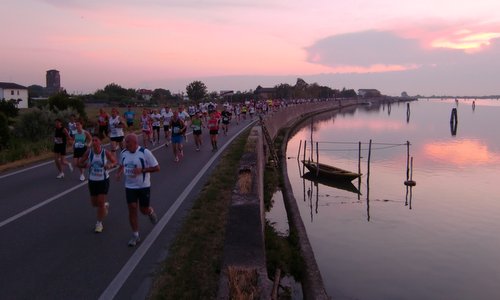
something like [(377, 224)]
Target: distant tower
[(53, 81)]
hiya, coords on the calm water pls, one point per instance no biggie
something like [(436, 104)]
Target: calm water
[(438, 240)]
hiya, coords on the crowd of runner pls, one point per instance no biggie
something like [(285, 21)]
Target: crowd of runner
[(131, 155)]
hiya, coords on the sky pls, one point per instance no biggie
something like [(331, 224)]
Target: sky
[(425, 47)]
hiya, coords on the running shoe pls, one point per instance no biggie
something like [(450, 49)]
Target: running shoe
[(98, 228), (70, 166), (61, 175), (134, 241), (197, 149), (82, 177), (153, 218)]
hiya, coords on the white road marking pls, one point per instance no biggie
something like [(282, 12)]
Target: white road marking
[(41, 204)]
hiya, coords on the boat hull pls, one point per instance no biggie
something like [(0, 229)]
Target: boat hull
[(327, 171)]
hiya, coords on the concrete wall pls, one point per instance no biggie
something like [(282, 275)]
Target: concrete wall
[(244, 248)]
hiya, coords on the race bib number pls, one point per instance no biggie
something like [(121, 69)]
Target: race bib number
[(129, 170), (79, 145), (176, 130), (97, 169)]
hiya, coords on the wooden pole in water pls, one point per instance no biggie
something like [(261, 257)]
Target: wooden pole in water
[(407, 159), (368, 183), (359, 158), (359, 169), (411, 169), (305, 146), (369, 158), (454, 116), (317, 159), (298, 154)]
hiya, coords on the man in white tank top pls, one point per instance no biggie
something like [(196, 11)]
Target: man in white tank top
[(116, 133)]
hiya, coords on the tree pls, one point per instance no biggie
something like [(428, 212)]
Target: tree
[(8, 108), (161, 95), (196, 90), (284, 91), (345, 93), (59, 101), (62, 101)]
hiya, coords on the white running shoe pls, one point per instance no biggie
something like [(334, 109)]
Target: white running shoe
[(134, 241), (70, 166), (82, 177), (98, 228), (61, 175)]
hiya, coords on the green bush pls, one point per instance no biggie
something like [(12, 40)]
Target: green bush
[(4, 131), (8, 108), (38, 124)]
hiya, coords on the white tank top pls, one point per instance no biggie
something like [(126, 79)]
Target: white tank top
[(97, 161), (115, 131)]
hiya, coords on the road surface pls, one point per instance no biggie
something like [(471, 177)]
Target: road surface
[(48, 249)]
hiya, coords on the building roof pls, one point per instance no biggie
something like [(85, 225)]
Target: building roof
[(11, 85)]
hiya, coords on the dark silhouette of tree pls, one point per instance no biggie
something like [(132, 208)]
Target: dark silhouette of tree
[(8, 107), (196, 91)]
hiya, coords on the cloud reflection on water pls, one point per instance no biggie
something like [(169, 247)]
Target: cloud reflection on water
[(459, 152)]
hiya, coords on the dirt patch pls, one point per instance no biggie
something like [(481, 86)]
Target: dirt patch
[(243, 283)]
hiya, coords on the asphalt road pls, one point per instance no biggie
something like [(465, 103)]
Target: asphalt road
[(48, 249)]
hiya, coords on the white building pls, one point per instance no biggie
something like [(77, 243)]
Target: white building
[(16, 92)]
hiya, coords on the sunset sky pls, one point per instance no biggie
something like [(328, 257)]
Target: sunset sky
[(422, 47)]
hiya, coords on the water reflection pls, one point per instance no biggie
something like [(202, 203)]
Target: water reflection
[(455, 226), (341, 185), (459, 153)]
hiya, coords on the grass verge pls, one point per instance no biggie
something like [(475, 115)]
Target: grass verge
[(193, 266)]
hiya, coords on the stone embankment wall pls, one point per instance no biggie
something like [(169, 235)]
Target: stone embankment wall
[(244, 259)]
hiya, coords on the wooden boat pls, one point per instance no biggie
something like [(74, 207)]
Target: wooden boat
[(327, 171), (338, 184)]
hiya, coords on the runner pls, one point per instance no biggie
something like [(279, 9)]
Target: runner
[(98, 160), (166, 115), (244, 110), (102, 121), (155, 123), (72, 125), (213, 127), (116, 133), (184, 116), (196, 125), (146, 128), (129, 116), (251, 110), (82, 139), (137, 163), (226, 118), (237, 112), (178, 127), (61, 139)]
